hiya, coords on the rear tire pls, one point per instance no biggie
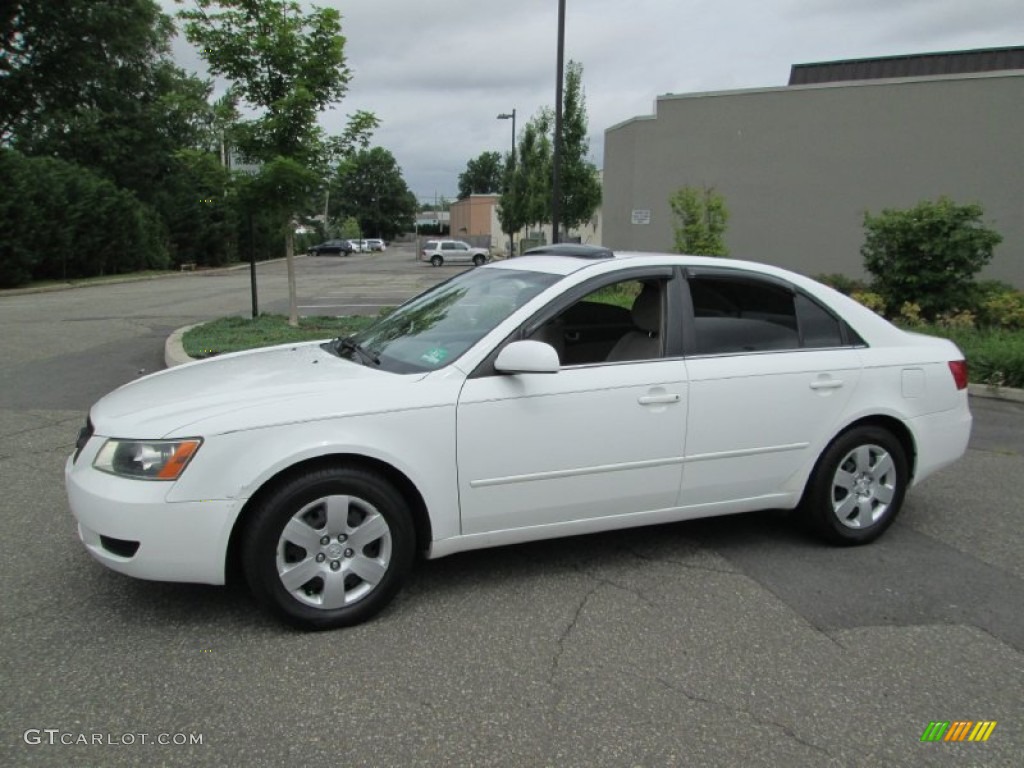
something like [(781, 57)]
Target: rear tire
[(437, 261), (330, 548), (857, 487)]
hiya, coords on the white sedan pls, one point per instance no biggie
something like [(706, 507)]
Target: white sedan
[(550, 395)]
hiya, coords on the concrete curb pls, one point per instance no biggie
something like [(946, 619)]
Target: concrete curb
[(174, 350), (174, 354), (996, 393)]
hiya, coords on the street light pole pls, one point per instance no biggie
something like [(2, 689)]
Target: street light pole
[(511, 174), (556, 188)]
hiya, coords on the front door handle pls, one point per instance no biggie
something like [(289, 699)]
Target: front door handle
[(657, 399)]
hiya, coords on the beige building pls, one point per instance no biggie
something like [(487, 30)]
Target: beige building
[(799, 165), (476, 217)]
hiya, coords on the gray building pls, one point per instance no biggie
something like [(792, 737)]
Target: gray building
[(799, 165)]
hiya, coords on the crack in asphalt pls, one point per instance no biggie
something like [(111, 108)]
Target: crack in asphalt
[(564, 636), (656, 558), (758, 719)]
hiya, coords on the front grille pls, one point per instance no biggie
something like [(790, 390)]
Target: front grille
[(83, 437)]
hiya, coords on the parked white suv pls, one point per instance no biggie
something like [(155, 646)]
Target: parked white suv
[(437, 252), (373, 244)]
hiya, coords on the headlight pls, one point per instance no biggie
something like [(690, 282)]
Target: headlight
[(146, 459)]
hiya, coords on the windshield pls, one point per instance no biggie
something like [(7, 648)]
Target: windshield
[(436, 327)]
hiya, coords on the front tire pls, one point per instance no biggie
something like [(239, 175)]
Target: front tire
[(437, 261), (857, 487), (478, 260), (330, 548)]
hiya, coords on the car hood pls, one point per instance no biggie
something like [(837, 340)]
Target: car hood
[(246, 390)]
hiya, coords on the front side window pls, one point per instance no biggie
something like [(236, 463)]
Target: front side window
[(435, 328), (618, 322)]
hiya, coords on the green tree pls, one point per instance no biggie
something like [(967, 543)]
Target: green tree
[(369, 187), (349, 229), (527, 189), (287, 67), (59, 56), (579, 182), (526, 197), (60, 221), (701, 221), (928, 254), (198, 203), (483, 175)]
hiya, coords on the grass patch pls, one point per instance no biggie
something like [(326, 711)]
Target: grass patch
[(994, 355), (232, 334)]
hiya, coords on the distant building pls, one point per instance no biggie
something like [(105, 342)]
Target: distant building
[(799, 165), (433, 219), (475, 219)]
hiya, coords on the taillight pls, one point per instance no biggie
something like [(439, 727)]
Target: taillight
[(959, 370)]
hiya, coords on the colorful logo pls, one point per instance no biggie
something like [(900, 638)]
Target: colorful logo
[(958, 730)]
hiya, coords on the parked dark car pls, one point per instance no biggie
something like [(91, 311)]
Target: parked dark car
[(339, 247)]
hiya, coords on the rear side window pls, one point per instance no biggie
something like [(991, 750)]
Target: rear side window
[(818, 326), (733, 315), (742, 315)]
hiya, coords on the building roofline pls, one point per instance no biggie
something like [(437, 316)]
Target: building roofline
[(879, 82)]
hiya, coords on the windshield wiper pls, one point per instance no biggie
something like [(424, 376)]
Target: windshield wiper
[(349, 344)]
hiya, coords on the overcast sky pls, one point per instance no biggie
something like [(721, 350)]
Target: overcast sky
[(438, 73)]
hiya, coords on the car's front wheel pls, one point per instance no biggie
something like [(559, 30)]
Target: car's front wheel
[(437, 261), (479, 260), (329, 548), (858, 486)]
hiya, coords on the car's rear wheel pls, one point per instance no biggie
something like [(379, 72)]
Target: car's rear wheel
[(478, 260), (329, 548), (858, 486), (437, 261)]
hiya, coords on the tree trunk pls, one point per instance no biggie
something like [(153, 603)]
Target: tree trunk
[(289, 256)]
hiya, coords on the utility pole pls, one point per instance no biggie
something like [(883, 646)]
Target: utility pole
[(556, 187)]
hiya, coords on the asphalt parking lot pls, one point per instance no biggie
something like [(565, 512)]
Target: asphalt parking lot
[(728, 642)]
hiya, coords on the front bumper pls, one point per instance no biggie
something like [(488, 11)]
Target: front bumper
[(130, 527)]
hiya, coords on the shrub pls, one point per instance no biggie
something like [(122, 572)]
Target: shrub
[(1003, 310), (872, 301), (842, 283), (910, 314), (994, 356), (958, 319), (928, 254), (702, 219)]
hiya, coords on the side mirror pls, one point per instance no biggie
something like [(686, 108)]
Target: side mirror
[(527, 357)]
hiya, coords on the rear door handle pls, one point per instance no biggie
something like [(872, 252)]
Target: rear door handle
[(657, 399), (826, 384)]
